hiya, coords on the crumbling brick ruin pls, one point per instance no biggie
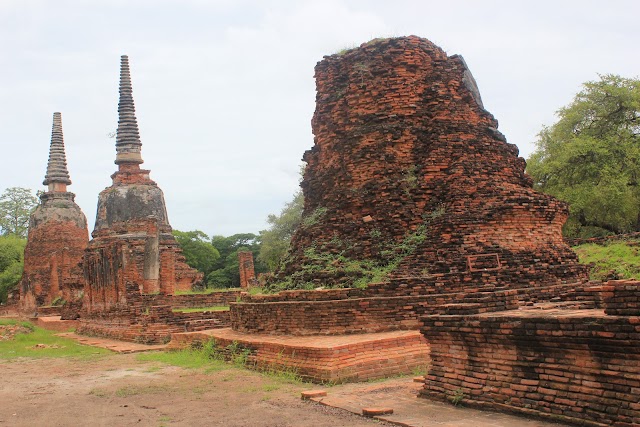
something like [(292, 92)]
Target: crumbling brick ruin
[(247, 270), (57, 239), (133, 252), (409, 172), (409, 175)]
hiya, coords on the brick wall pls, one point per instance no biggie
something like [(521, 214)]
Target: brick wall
[(151, 319), (620, 297), (560, 361), (339, 311)]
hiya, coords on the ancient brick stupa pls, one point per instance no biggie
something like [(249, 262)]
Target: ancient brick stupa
[(57, 237), (409, 174), (132, 247)]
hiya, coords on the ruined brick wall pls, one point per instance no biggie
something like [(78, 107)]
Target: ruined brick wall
[(378, 309), (247, 270), (56, 242), (577, 365), (621, 297), (408, 169), (150, 318)]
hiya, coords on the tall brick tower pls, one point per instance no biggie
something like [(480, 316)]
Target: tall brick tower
[(132, 246), (57, 237)]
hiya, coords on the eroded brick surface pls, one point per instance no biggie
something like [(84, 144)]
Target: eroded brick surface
[(57, 239), (403, 147), (560, 360), (247, 270)]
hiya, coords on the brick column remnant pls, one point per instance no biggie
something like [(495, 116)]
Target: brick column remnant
[(410, 173), (247, 270), (57, 237), (133, 246)]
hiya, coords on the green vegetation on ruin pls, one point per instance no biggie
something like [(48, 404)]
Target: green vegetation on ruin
[(354, 273), (617, 259)]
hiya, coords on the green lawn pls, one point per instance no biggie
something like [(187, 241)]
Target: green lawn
[(41, 343)]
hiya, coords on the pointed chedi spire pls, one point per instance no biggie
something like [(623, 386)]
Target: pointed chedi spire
[(128, 136), (57, 177)]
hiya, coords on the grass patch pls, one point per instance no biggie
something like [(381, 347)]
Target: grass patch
[(41, 343), (616, 259), (201, 309), (212, 357)]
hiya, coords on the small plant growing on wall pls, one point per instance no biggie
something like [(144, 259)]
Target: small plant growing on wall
[(456, 397)]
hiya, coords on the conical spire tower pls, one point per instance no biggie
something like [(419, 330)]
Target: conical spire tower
[(128, 136), (57, 172)]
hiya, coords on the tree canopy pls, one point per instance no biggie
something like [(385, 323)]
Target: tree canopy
[(11, 263), (590, 158), (16, 205), (198, 251), (227, 272), (275, 240)]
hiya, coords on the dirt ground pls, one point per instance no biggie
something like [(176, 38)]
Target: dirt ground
[(119, 390)]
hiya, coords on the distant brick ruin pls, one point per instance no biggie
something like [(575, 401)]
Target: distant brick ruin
[(247, 270), (133, 252), (408, 170), (57, 238)]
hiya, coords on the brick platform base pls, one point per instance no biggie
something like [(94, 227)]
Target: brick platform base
[(341, 358), (54, 323)]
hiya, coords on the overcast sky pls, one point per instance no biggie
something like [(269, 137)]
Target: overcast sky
[(224, 89)]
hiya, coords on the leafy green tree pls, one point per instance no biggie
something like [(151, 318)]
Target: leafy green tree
[(275, 240), (11, 263), (590, 158), (16, 205), (199, 253), (227, 273)]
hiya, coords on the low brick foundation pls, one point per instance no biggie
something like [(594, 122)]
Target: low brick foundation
[(151, 318), (337, 359), (559, 361), (346, 311)]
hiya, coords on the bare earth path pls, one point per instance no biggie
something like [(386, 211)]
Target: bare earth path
[(118, 390)]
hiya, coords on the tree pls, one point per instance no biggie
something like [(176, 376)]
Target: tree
[(590, 158), (199, 253), (11, 263), (275, 240), (16, 205), (227, 272)]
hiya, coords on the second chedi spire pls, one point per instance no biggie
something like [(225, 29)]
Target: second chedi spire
[(128, 145)]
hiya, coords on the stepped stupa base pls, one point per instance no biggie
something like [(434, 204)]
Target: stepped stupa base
[(323, 358)]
